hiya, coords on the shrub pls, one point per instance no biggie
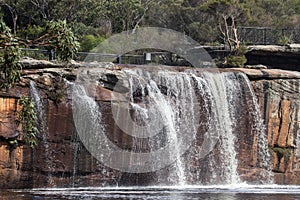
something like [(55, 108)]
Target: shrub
[(9, 60), (236, 61), (237, 58), (27, 117), (284, 40), (89, 42)]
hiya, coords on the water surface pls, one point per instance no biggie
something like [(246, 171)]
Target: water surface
[(228, 192)]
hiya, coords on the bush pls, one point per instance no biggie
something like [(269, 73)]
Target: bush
[(62, 39), (31, 32), (9, 59), (237, 58), (236, 61), (284, 40), (89, 42), (27, 117)]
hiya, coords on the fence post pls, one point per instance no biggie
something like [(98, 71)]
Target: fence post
[(51, 54), (119, 59), (265, 35), (147, 58)]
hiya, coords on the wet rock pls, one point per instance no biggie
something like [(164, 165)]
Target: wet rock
[(280, 100)]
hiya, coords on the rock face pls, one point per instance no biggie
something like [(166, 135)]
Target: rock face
[(275, 57), (60, 159), (280, 101)]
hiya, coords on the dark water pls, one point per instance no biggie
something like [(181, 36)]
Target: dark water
[(271, 192)]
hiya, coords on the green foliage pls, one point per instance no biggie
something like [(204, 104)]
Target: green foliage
[(237, 58), (126, 14), (282, 152), (56, 35), (284, 40), (236, 61), (241, 50), (62, 39), (203, 32), (31, 32), (94, 17), (57, 91), (27, 117), (89, 42), (9, 65), (81, 30), (120, 15), (216, 5)]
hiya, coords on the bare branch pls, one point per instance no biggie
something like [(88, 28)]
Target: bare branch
[(142, 16)]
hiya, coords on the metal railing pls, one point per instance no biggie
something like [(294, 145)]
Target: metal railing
[(267, 35)]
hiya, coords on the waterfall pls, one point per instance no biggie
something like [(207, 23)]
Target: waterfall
[(89, 126), (162, 115), (76, 140), (217, 90), (175, 106), (222, 109), (43, 129)]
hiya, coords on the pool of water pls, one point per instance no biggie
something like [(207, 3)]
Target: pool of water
[(229, 192)]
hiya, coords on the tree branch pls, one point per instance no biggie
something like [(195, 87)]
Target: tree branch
[(142, 17)]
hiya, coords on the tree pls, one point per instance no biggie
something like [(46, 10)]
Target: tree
[(56, 35), (14, 7), (126, 14), (9, 65), (59, 37), (227, 13)]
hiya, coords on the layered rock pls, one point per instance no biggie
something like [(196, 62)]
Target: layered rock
[(279, 100), (276, 57)]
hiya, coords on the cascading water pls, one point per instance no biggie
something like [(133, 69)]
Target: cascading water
[(174, 105), (221, 110), (43, 129), (76, 140), (90, 123), (162, 113)]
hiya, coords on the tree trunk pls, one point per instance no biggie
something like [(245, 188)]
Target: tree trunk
[(15, 18)]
